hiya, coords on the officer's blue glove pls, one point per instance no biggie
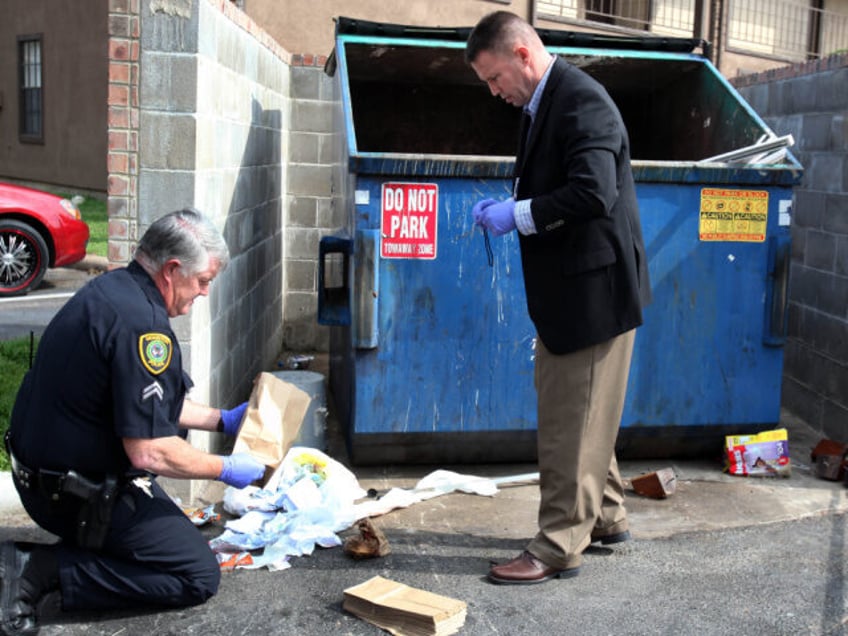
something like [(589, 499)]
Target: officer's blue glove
[(231, 420), (240, 470), (499, 218), (477, 211)]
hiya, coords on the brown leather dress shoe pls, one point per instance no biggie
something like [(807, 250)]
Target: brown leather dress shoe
[(526, 569)]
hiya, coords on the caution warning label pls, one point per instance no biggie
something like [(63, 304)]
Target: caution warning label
[(409, 212), (733, 215)]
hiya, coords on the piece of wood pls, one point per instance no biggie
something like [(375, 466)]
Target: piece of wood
[(658, 484)]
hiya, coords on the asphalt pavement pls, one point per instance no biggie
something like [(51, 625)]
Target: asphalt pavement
[(723, 555), (21, 316)]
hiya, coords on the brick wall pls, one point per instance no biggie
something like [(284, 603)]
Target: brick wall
[(810, 101), (122, 122)]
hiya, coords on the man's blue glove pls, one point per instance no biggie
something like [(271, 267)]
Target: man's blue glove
[(231, 420), (240, 470), (499, 218), (477, 211)]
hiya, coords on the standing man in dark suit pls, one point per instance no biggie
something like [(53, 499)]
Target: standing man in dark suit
[(586, 279)]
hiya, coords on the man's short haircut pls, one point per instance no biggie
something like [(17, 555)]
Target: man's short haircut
[(497, 33), (186, 235)]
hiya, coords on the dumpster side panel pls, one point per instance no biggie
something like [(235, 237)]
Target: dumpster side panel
[(453, 332), (703, 358)]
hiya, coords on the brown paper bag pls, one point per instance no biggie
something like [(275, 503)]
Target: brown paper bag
[(272, 421)]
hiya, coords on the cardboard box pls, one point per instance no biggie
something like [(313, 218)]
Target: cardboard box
[(763, 454)]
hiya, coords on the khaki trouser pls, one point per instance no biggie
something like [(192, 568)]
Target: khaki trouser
[(580, 401)]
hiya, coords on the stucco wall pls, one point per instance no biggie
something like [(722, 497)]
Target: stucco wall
[(72, 153)]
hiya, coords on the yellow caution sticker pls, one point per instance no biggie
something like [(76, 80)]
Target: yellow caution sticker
[(733, 215), (155, 350)]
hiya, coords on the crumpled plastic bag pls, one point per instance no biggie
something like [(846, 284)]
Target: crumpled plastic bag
[(307, 502)]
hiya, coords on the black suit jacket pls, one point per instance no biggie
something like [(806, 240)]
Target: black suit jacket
[(585, 271)]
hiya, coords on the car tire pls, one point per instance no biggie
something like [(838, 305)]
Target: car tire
[(24, 257)]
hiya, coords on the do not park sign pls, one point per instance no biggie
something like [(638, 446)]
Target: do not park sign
[(409, 212)]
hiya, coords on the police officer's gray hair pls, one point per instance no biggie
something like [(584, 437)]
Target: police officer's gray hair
[(186, 235), (497, 33)]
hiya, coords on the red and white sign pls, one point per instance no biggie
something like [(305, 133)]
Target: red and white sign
[(409, 212)]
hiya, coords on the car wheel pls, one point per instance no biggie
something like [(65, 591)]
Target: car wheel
[(23, 258)]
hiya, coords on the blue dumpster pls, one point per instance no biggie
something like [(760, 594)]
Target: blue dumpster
[(431, 348)]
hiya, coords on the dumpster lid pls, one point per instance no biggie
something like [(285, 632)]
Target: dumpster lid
[(550, 37)]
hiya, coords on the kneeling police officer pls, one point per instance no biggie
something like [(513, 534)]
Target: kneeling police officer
[(101, 413)]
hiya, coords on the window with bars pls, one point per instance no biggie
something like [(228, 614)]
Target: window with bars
[(786, 29), (663, 17), (31, 121)]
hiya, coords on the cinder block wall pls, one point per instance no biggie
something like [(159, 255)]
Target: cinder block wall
[(199, 116), (810, 101), (311, 205), (213, 117)]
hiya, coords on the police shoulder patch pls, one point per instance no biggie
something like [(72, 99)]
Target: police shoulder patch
[(155, 350)]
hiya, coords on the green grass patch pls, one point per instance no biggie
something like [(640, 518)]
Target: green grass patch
[(14, 363), (95, 214)]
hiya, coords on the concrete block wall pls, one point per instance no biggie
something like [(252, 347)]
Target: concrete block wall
[(810, 101), (199, 116), (311, 204)]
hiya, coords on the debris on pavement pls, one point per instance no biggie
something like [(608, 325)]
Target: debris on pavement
[(202, 516), (311, 498), (368, 544), (657, 485), (763, 454), (401, 609), (829, 458)]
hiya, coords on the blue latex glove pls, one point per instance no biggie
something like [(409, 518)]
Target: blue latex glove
[(240, 470), (499, 218), (477, 211), (232, 419)]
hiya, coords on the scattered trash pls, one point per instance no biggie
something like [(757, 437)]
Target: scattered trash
[(400, 609), (202, 516), (769, 150), (830, 461), (368, 544), (296, 362), (233, 561), (657, 485), (439, 482), (308, 501), (763, 454)]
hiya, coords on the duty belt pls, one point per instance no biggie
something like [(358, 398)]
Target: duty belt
[(50, 483)]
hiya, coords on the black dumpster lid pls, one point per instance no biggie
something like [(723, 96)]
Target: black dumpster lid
[(551, 37)]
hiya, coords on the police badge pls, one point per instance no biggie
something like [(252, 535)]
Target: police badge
[(155, 350)]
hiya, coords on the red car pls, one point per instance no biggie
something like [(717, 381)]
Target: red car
[(37, 230)]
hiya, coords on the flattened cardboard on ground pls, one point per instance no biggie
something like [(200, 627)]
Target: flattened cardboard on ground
[(275, 412), (401, 609)]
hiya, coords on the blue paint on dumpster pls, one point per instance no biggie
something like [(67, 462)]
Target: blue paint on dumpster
[(431, 347)]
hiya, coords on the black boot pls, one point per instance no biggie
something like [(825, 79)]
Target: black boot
[(27, 573)]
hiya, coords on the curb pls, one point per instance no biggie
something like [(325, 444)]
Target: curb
[(91, 262)]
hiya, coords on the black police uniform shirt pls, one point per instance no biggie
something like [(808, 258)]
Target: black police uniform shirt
[(108, 367)]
